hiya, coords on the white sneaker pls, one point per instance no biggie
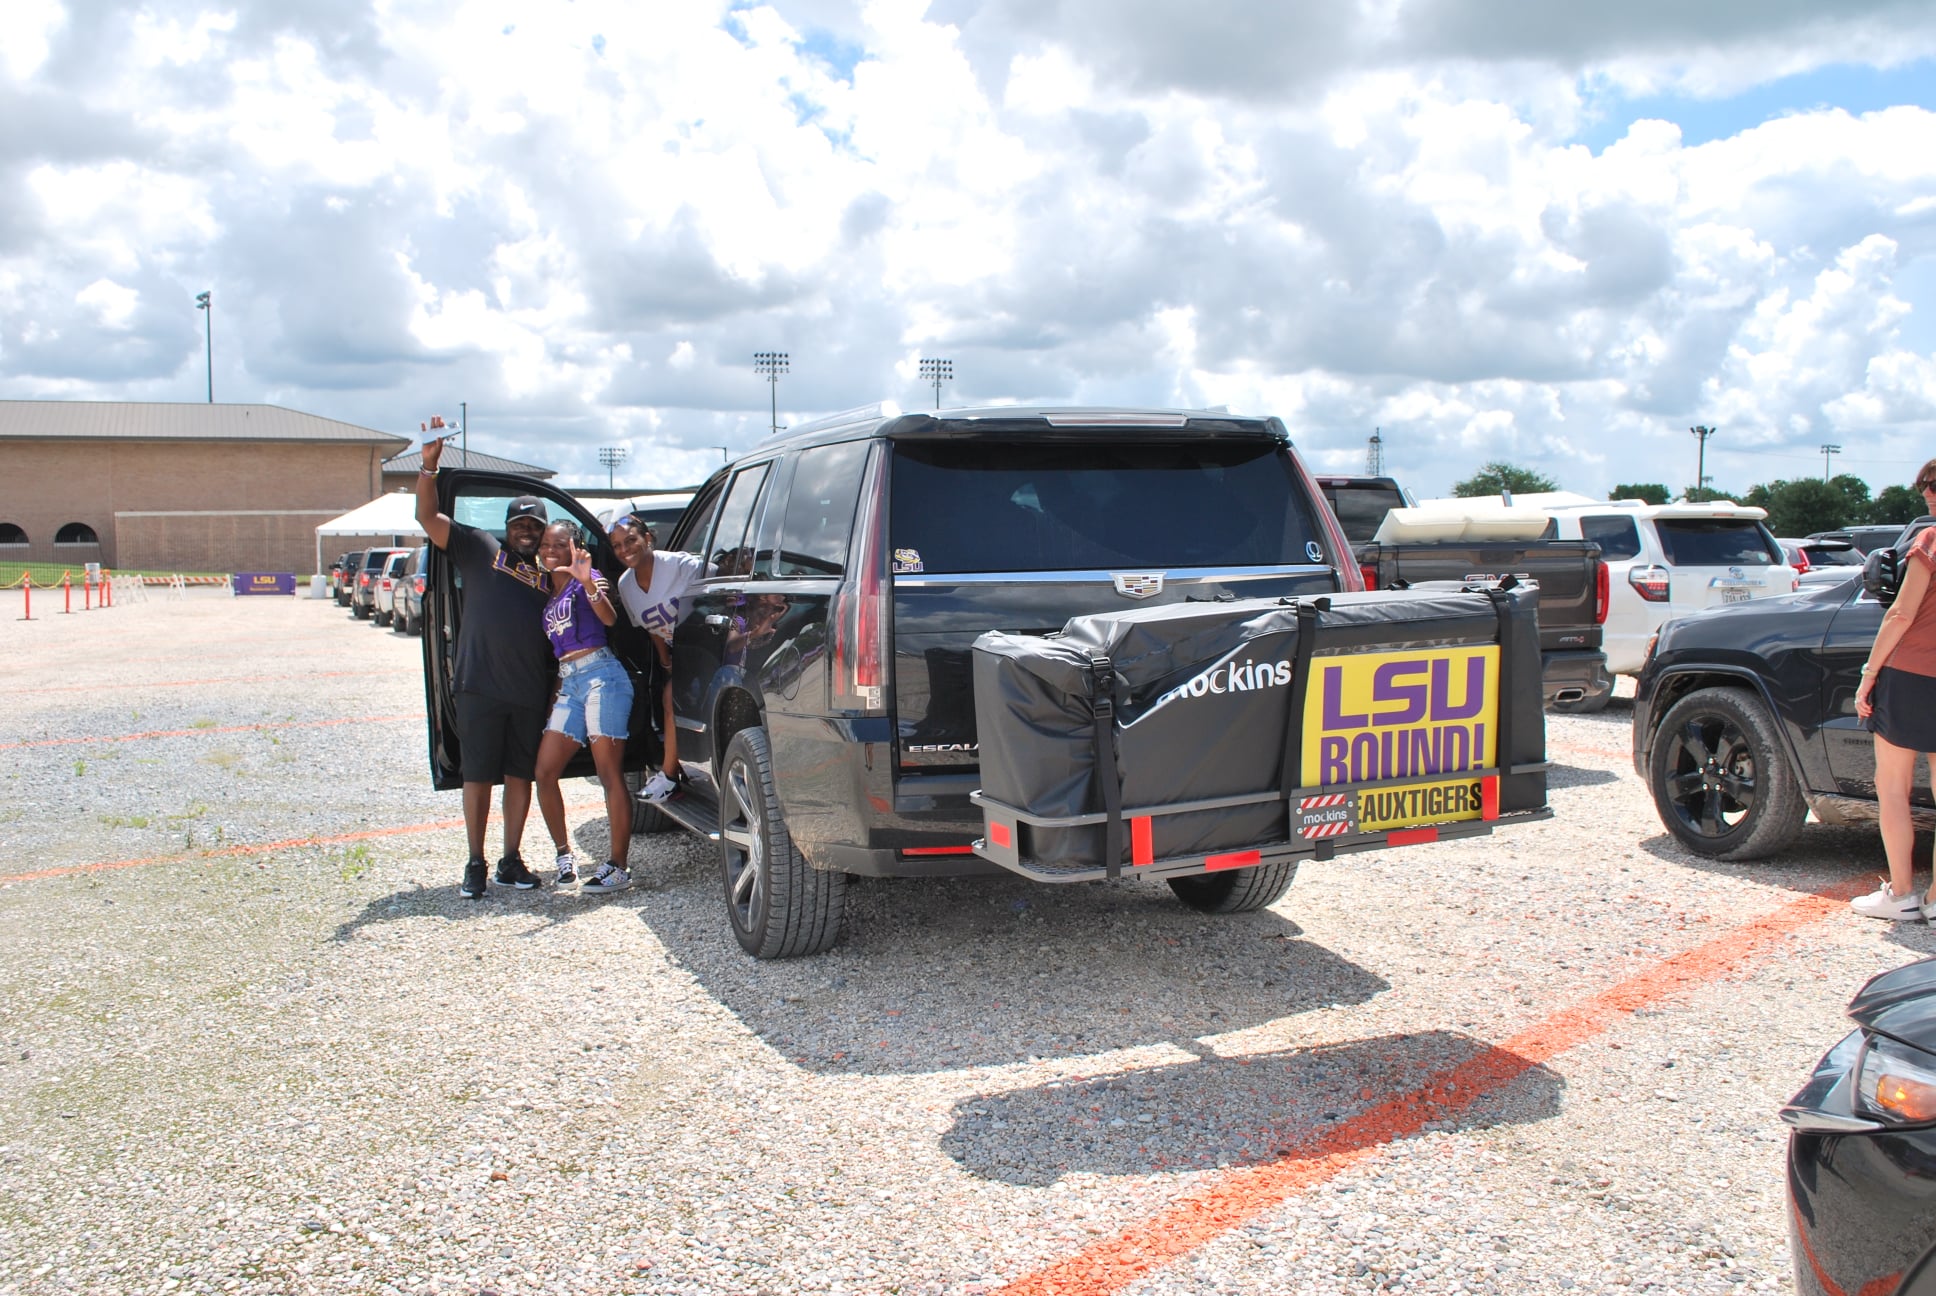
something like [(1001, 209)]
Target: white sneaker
[(658, 788), (1884, 903), (567, 869), (608, 878)]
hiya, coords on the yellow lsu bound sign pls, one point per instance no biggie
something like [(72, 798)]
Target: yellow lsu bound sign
[(1371, 717)]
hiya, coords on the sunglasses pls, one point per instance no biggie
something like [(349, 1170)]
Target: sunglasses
[(1926, 484)]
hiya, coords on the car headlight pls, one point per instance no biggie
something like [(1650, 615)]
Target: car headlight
[(1896, 1083)]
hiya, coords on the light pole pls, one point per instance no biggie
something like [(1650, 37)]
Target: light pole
[(1828, 450), (464, 427), (611, 457), (723, 455), (937, 372), (204, 304), (770, 365), (1700, 464)]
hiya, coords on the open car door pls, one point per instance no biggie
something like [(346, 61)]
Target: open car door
[(480, 499)]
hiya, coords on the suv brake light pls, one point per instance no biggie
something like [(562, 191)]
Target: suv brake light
[(420, 583), (1370, 575), (1650, 582), (860, 611), (1602, 593)]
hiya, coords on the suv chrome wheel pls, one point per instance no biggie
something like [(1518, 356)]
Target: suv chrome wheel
[(780, 905), (1720, 779)]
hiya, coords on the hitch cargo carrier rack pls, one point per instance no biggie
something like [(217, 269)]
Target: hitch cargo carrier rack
[(1321, 823)]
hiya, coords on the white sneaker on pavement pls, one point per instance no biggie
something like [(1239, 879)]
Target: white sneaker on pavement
[(1884, 903)]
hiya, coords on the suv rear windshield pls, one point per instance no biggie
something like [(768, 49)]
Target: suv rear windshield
[(1717, 542), (1361, 506), (1007, 506)]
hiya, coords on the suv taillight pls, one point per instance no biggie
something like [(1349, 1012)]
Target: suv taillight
[(1650, 582), (1369, 574), (860, 610), (365, 580), (419, 584), (1602, 593)]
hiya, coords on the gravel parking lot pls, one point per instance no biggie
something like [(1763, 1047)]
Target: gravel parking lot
[(252, 1041)]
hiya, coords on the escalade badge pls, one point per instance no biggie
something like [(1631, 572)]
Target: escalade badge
[(1140, 585)]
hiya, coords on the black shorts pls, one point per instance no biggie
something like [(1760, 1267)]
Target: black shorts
[(1905, 709), (497, 740)]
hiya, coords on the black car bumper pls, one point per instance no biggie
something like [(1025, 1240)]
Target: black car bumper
[(1570, 676), (1861, 1197)]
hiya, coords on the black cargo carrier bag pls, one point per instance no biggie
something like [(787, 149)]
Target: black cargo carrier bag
[(1192, 737)]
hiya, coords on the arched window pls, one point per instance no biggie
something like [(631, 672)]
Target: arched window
[(11, 534), (76, 533)]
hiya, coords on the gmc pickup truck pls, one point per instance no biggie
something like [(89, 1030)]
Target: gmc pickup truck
[(1417, 545)]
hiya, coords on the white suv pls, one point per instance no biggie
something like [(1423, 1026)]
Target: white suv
[(1667, 560)]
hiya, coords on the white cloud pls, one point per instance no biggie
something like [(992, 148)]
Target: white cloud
[(584, 221)]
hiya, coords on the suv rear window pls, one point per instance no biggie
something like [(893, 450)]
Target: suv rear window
[(1617, 536), (1716, 542), (985, 506)]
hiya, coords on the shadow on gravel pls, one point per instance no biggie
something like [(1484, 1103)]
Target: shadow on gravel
[(547, 904), (1821, 855), (1220, 1111), (1571, 776), (945, 974)]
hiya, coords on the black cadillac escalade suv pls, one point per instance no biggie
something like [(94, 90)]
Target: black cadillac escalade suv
[(821, 672)]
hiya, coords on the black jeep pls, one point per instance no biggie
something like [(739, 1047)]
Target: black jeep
[(821, 673), (1744, 716)]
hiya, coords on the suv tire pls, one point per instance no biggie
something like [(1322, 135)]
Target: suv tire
[(1717, 753), (780, 906), (1237, 890)]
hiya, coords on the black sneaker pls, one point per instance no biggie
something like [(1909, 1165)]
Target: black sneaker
[(473, 886), (511, 872)]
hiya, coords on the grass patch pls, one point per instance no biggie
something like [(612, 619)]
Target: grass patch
[(354, 862), (125, 821), (224, 759), (50, 573), (203, 723)]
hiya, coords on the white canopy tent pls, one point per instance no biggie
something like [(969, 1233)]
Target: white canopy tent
[(393, 516)]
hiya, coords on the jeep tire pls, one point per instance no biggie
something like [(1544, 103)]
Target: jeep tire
[(1721, 779), (779, 905), (1236, 890)]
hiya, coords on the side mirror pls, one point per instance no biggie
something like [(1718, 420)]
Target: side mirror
[(1881, 574)]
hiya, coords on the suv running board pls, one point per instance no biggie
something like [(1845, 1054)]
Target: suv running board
[(689, 812)]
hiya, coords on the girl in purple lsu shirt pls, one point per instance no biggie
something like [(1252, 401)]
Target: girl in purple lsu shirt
[(594, 704)]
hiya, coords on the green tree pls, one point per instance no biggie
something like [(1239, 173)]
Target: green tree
[(1798, 508), (1500, 476), (1857, 493), (1704, 494), (1652, 492), (1896, 505)]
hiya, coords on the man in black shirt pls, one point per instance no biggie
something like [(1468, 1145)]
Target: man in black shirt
[(504, 667)]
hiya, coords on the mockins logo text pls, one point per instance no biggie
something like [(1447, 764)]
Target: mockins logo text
[(1232, 677)]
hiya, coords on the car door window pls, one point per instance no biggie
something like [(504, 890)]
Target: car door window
[(727, 552), (819, 515), (1617, 537)]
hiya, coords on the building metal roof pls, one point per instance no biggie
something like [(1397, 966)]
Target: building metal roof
[(52, 420), (454, 458)]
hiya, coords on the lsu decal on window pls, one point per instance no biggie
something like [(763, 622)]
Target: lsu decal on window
[(906, 561)]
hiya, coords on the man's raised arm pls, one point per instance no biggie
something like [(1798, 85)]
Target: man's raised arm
[(436, 525)]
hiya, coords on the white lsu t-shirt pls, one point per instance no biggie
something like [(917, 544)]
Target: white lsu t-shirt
[(656, 609)]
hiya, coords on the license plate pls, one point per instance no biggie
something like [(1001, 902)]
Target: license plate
[(1735, 595)]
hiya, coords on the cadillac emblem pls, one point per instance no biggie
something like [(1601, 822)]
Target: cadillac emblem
[(1138, 585)]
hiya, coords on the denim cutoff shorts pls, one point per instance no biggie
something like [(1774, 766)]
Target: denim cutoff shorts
[(594, 698)]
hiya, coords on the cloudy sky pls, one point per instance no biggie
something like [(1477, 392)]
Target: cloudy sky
[(1556, 234)]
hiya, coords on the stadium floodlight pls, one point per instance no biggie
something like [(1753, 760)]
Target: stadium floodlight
[(937, 372), (770, 365)]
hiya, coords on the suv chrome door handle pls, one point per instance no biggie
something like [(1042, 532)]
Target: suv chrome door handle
[(714, 619)]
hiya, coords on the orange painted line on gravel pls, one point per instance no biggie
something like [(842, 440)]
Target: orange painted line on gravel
[(208, 729), (259, 848), (1241, 1195), (200, 683)]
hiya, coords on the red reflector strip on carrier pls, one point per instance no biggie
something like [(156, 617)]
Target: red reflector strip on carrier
[(1411, 837), (939, 850), (1142, 843), (999, 834), (1489, 797), (1237, 859)]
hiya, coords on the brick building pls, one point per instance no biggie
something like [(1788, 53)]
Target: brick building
[(400, 471), (140, 486)]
